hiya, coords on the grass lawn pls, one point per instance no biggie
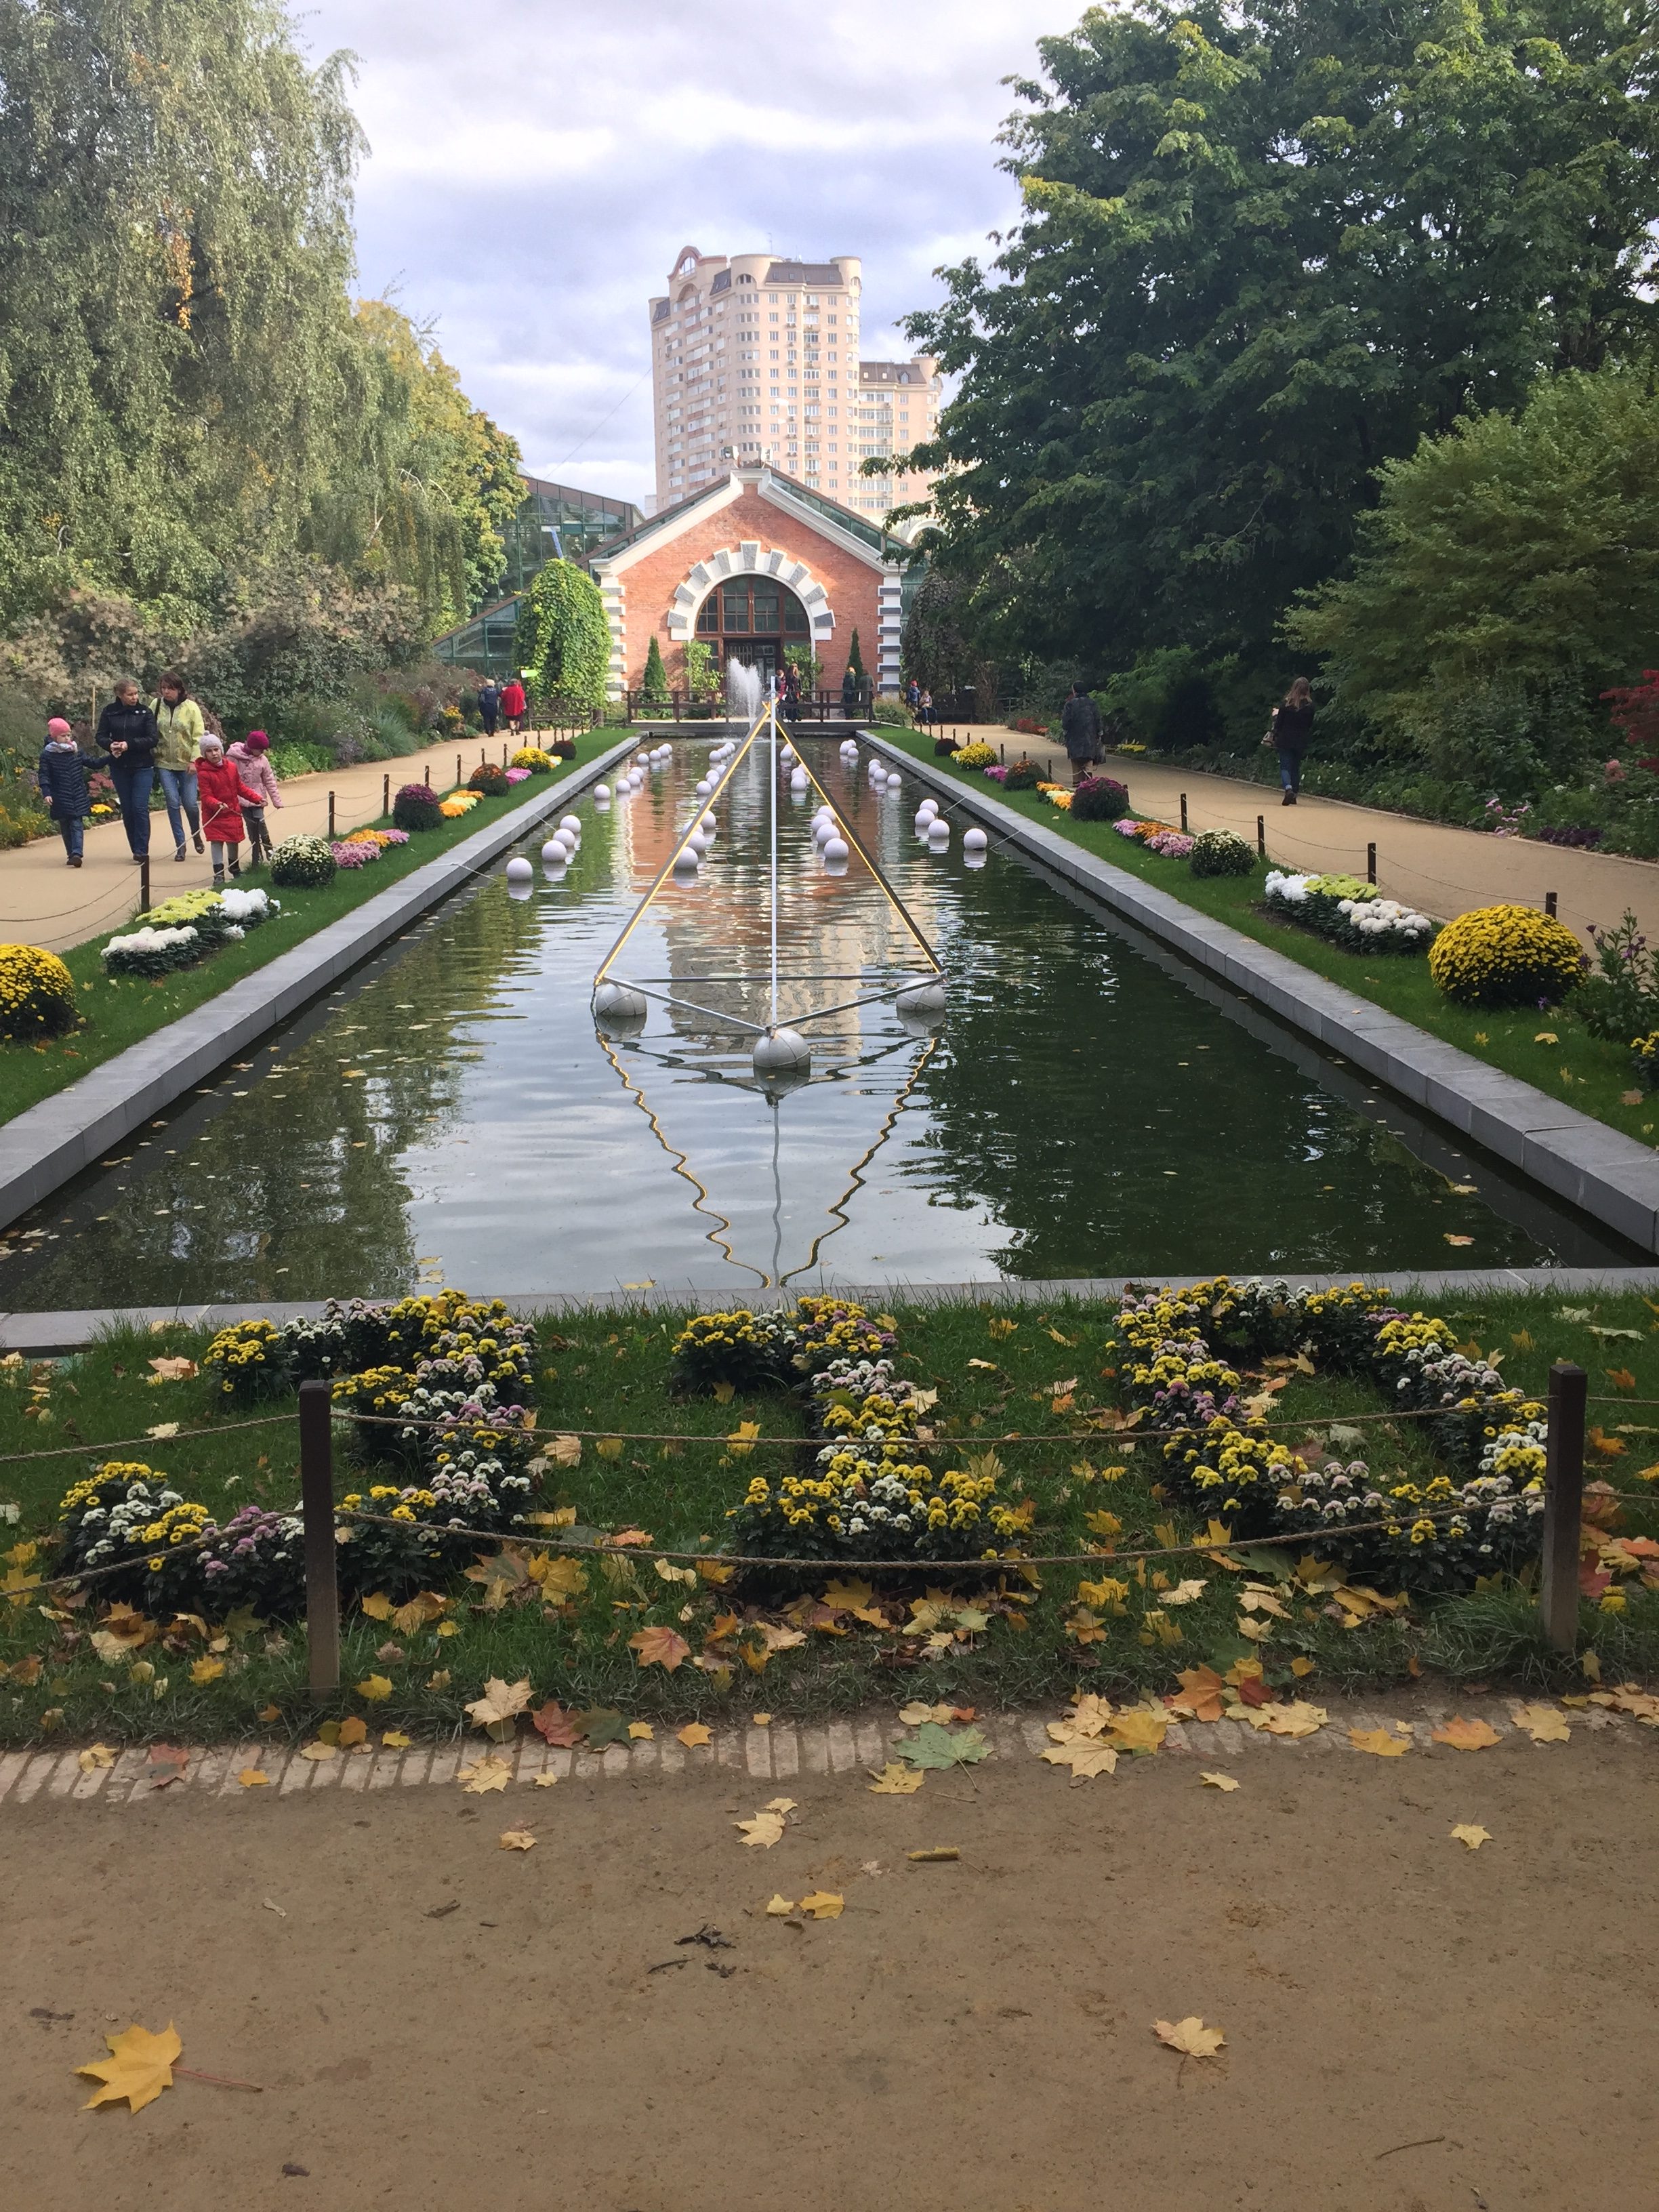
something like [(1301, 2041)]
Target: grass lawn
[(1553, 1050), (608, 1374), (116, 1013)]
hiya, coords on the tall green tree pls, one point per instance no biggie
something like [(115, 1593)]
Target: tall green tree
[(1265, 248), (562, 634)]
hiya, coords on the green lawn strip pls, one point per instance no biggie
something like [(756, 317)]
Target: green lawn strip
[(1586, 1071), (117, 1012), (610, 1373)]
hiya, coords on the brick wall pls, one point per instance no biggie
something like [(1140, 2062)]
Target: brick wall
[(650, 584)]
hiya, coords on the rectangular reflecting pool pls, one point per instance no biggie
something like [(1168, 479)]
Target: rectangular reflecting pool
[(1087, 1106)]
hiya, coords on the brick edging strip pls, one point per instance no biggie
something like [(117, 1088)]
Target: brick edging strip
[(55, 1138), (1576, 1158)]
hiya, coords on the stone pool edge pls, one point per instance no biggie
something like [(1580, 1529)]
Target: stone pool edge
[(49, 1142), (44, 1335), (1605, 1173)]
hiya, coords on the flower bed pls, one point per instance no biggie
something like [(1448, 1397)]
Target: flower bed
[(37, 994), (1347, 912), (181, 931), (1507, 955)]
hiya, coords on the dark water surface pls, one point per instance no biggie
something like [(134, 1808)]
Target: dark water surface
[(1088, 1107)]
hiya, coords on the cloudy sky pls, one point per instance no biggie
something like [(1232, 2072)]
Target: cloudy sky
[(538, 164)]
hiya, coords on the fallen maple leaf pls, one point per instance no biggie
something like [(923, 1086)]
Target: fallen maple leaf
[(1086, 1759), (496, 1712), (517, 1839), (395, 1739), (375, 1687), (823, 1904), (1200, 1693), (695, 1734), (1298, 1719), (1466, 1735), (1219, 1781), (352, 1730), (764, 1830), (556, 1726), (1189, 2036), (661, 1647), (1466, 1833), (164, 1764), (1379, 1742), (932, 1746), (641, 1732), (896, 1781), (778, 1906), (254, 1778), (565, 1451), (172, 1371), (915, 1713), (1139, 1729), (94, 1756), (487, 1773), (1184, 1593), (603, 1725), (1543, 1723), (377, 1605), (139, 2067)]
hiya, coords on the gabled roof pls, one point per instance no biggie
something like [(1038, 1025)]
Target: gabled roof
[(861, 536)]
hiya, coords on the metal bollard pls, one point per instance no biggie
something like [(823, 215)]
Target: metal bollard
[(1261, 837), (1370, 864), (144, 884), (331, 816), (385, 793), (1183, 813), (317, 1510)]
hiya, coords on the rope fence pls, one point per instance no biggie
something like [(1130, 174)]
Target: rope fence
[(322, 1516)]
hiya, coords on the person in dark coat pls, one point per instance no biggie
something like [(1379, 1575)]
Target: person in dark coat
[(849, 692), (490, 708), (1288, 734), (61, 776), (1079, 726), (127, 732)]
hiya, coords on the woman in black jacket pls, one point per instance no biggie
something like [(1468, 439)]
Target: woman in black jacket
[(1292, 727), (127, 732)]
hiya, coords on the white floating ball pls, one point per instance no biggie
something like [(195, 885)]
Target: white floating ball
[(938, 835), (616, 1006), (784, 1053), (519, 870), (569, 822), (556, 853), (928, 997), (710, 824), (973, 841), (704, 787), (687, 862), (895, 781), (602, 791), (836, 850)]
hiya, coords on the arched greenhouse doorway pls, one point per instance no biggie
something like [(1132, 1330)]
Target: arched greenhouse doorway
[(750, 618)]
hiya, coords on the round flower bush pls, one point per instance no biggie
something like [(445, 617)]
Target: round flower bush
[(975, 755), (247, 1360), (37, 993), (305, 864), (745, 1350), (417, 807), (1220, 853), (488, 780), (533, 758), (1099, 798), (1023, 776), (1507, 955)]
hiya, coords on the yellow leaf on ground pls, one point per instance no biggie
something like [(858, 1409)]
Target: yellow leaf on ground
[(1466, 1833), (138, 2068), (94, 1756), (395, 1739), (741, 1439), (318, 1751), (641, 1732), (377, 1605), (915, 1713), (206, 1670), (1086, 1759), (270, 1713), (1466, 1735), (824, 1904), (608, 1447), (1139, 1729), (565, 1451), (354, 1731), (1298, 1719), (661, 1647), (1219, 1781), (778, 1906), (487, 1773), (781, 1804), (896, 1781), (695, 1733), (764, 1830), (1300, 1667), (1543, 1723), (500, 1701), (762, 1720), (1190, 2037), (546, 1781), (1185, 1593), (173, 1370), (374, 1687), (1380, 1741), (517, 1839)]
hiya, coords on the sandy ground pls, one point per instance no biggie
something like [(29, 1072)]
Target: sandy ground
[(1410, 2026)]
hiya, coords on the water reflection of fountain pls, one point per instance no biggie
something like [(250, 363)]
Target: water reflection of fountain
[(743, 692)]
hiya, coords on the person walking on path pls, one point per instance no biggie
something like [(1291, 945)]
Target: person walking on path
[(513, 705), (849, 693), (1079, 728), (913, 700), (222, 793), (249, 757), (1288, 734), (127, 732), (179, 727), (61, 776), (489, 707)]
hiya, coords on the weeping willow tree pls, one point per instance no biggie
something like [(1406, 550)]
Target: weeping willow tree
[(189, 404)]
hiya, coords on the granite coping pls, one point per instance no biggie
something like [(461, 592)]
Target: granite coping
[(44, 1335), (55, 1139), (1599, 1170)]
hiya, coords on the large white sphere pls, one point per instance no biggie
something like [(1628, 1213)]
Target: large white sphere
[(569, 822), (922, 821), (618, 1006), (519, 870), (710, 824), (973, 841), (785, 1052), (556, 853), (927, 998), (686, 861), (939, 835), (894, 781), (835, 849), (705, 786), (798, 782), (602, 791)]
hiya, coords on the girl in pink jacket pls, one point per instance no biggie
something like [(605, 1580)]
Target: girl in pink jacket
[(248, 758)]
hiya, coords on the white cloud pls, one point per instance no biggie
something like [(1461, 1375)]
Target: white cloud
[(536, 166)]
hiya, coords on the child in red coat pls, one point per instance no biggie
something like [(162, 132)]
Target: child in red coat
[(223, 795)]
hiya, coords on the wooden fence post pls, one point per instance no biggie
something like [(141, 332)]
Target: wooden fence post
[(1370, 864), (385, 793), (1183, 813), (317, 1508), (1564, 1502), (331, 816), (1261, 837)]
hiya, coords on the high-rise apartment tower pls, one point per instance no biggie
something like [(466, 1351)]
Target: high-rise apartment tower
[(754, 359)]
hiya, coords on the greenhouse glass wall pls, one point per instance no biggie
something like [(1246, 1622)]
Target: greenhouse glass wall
[(556, 520)]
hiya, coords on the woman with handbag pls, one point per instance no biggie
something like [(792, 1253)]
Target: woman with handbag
[(1288, 734)]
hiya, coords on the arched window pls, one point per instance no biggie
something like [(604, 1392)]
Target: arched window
[(751, 618)]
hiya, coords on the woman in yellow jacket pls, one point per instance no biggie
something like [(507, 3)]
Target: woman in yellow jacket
[(179, 720)]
